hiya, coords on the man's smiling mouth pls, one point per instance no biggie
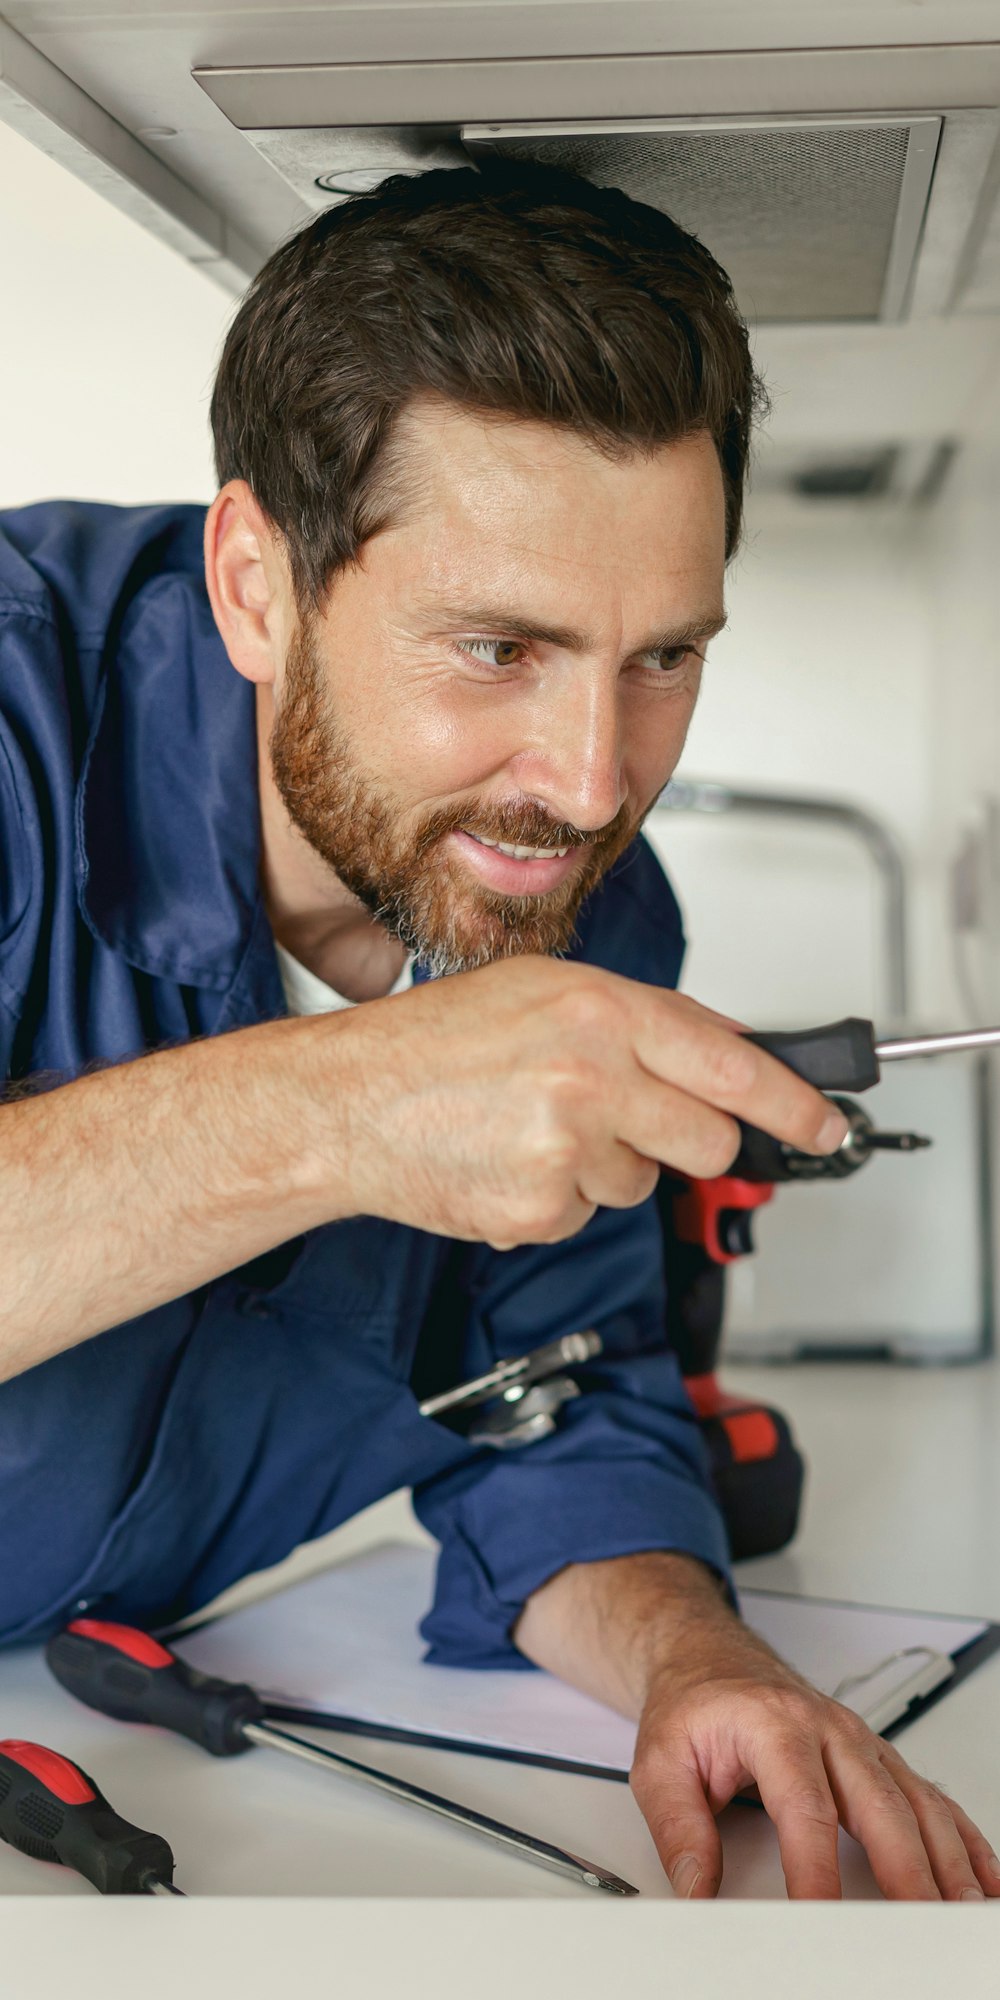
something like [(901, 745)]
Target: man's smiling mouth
[(517, 867), (519, 853)]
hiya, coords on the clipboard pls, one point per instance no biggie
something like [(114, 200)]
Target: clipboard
[(341, 1651)]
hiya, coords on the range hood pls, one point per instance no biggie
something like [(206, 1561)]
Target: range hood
[(846, 173), (839, 185), (815, 219), (866, 194)]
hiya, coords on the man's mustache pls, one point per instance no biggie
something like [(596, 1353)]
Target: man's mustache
[(519, 824)]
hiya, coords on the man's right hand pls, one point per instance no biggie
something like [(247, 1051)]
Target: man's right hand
[(505, 1105), (500, 1106)]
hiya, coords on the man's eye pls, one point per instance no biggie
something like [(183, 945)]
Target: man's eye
[(496, 652), (670, 659)]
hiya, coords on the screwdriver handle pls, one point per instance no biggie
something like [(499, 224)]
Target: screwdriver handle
[(127, 1674), (840, 1056), (51, 1810)]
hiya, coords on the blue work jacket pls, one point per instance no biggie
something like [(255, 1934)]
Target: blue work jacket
[(145, 1469)]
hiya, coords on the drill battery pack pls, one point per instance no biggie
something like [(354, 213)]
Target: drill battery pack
[(757, 1472), (757, 1469)]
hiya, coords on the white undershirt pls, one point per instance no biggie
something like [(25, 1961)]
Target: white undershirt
[(306, 994)]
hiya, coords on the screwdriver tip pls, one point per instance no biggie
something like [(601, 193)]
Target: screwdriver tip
[(614, 1884)]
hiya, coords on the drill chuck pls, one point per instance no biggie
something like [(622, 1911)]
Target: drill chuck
[(762, 1158)]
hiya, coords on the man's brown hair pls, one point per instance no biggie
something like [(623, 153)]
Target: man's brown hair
[(516, 290)]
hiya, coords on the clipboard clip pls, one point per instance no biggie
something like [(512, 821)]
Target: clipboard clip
[(937, 1668)]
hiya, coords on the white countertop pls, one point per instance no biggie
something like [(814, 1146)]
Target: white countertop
[(902, 1507)]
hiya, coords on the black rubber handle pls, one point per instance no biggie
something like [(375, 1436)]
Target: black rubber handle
[(133, 1677), (838, 1057), (51, 1810)]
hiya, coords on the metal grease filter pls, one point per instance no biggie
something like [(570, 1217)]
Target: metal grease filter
[(802, 217)]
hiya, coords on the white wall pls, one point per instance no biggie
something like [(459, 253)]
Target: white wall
[(862, 659), (820, 685), (963, 566), (108, 343)]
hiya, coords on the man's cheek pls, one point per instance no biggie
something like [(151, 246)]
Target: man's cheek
[(416, 756), (460, 735)]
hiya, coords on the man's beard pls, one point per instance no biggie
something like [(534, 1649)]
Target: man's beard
[(410, 885)]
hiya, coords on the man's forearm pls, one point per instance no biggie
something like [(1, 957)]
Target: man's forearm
[(136, 1184), (614, 1628)]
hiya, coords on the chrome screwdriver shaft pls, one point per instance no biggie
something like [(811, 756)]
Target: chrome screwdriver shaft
[(558, 1859), (937, 1045)]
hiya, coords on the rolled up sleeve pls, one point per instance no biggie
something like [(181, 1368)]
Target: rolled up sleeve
[(625, 1471)]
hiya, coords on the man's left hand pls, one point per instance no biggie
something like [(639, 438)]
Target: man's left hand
[(751, 1723), (720, 1714)]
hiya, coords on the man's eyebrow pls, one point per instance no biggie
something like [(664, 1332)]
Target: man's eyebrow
[(501, 622), (702, 626)]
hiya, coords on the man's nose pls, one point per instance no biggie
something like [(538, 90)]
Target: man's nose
[(576, 767)]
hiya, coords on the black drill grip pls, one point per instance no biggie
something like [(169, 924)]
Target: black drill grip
[(133, 1677), (761, 1158), (51, 1810), (838, 1057)]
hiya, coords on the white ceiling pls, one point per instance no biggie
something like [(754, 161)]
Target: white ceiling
[(135, 59)]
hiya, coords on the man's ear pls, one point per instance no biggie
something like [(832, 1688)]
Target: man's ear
[(248, 584)]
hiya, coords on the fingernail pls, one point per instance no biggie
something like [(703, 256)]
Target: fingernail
[(832, 1132), (972, 1896), (993, 1865), (686, 1875)]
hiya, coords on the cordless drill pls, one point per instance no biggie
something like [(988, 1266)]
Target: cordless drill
[(757, 1469)]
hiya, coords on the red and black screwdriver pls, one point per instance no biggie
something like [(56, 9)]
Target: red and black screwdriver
[(132, 1676), (51, 1810)]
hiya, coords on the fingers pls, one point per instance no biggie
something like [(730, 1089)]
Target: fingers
[(795, 1792), (671, 1798), (959, 1854), (921, 1846), (685, 1045), (986, 1864), (713, 1014), (622, 1178), (880, 1817), (659, 1122)]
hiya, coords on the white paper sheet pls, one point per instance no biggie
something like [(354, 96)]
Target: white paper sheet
[(346, 1642)]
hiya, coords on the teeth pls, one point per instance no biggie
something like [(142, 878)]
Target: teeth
[(523, 853)]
